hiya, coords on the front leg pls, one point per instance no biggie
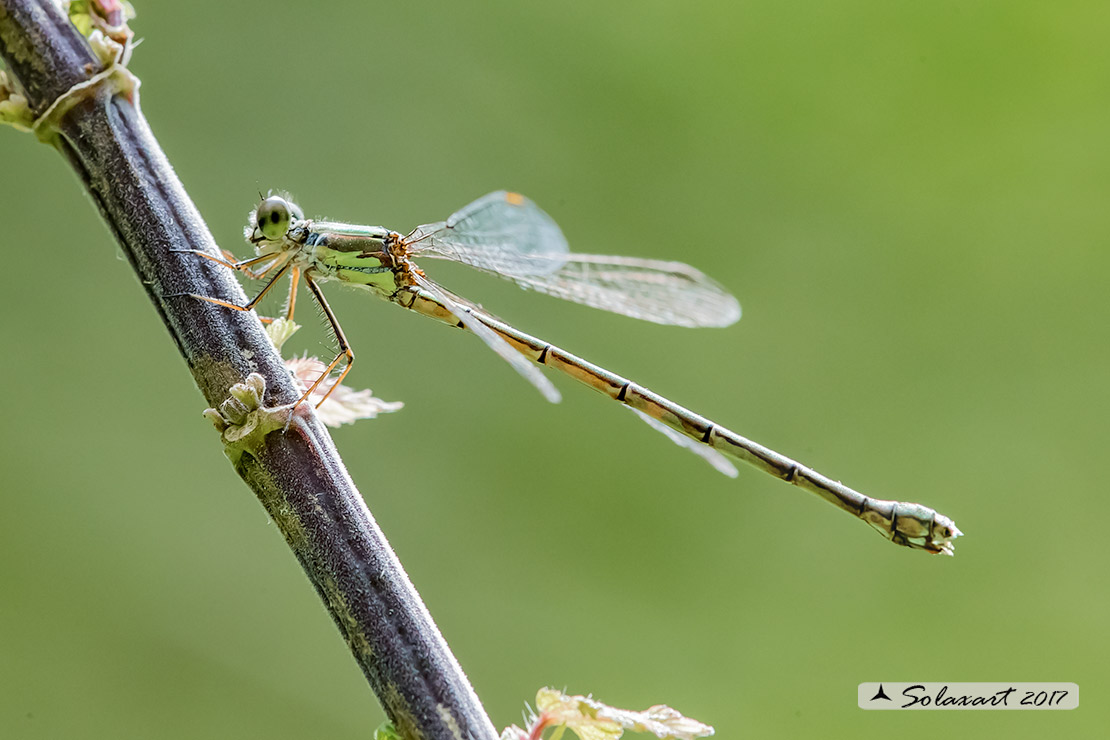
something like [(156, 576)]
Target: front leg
[(254, 301), (244, 266), (228, 260)]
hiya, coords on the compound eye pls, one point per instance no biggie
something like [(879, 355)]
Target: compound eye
[(274, 216)]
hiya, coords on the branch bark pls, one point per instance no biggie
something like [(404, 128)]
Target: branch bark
[(296, 472)]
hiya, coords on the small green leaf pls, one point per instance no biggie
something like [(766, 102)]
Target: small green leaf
[(279, 330)]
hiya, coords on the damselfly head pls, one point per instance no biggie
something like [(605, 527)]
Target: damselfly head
[(272, 218)]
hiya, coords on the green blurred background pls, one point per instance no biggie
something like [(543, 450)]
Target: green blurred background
[(909, 200)]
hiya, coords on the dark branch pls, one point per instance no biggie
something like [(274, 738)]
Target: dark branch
[(296, 474)]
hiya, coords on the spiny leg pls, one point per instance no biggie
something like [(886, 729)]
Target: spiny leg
[(341, 340), (254, 301), (241, 265), (261, 275), (291, 301)]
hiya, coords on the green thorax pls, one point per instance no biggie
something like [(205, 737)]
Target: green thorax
[(359, 255)]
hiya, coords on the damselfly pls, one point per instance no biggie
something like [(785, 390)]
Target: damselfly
[(507, 235)]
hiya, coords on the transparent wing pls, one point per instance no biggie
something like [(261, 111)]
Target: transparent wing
[(519, 362), (710, 455), (504, 233), (507, 235), (653, 290)]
